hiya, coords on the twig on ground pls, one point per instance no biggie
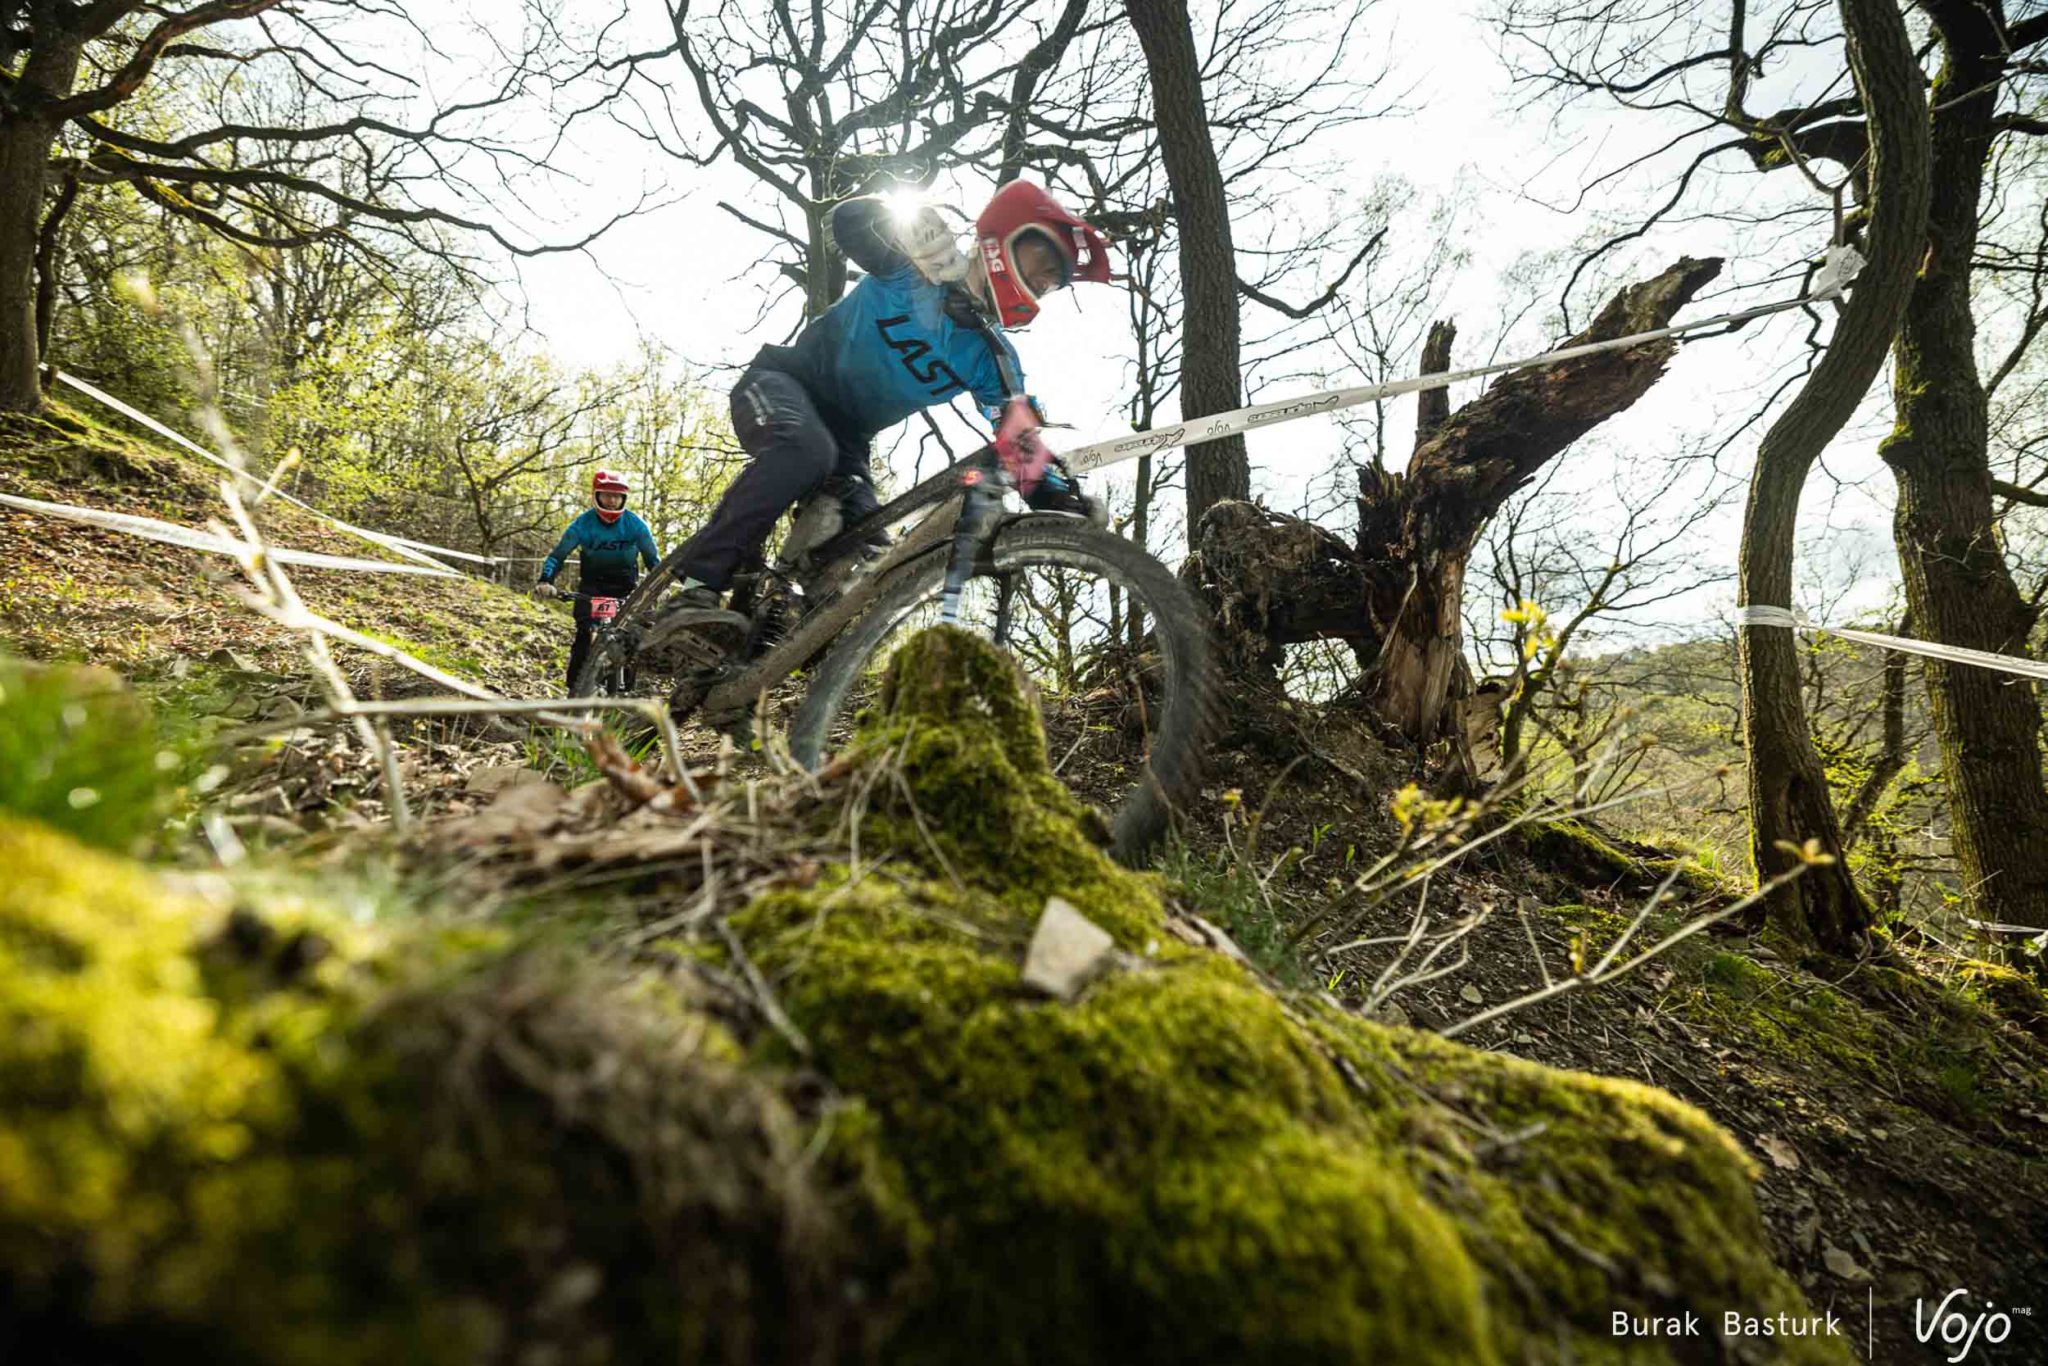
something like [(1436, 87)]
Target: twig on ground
[(1606, 971), (764, 996)]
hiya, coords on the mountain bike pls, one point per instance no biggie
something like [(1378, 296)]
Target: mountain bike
[(617, 681), (833, 605)]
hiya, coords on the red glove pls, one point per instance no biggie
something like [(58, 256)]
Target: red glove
[(1020, 445)]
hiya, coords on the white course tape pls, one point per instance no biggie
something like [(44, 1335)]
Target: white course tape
[(1929, 649), (1839, 269), (170, 533), (398, 545)]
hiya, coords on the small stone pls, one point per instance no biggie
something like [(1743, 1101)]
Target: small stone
[(1067, 951), (496, 778), (1842, 1264), (1781, 1153), (1470, 995), (1806, 1228), (1391, 1013), (228, 659), (573, 1288)]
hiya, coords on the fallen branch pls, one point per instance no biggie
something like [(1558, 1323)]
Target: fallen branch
[(1607, 971)]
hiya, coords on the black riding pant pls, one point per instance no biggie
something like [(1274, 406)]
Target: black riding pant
[(793, 453), (584, 626)]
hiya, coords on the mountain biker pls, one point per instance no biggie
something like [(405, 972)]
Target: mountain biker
[(612, 542), (924, 324)]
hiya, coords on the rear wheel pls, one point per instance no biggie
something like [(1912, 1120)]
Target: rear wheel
[(1127, 728)]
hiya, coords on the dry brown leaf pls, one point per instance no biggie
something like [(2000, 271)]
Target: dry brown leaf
[(1781, 1153)]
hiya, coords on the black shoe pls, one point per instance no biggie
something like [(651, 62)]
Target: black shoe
[(690, 631)]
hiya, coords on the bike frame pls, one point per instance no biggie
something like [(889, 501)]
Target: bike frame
[(818, 627), (944, 492)]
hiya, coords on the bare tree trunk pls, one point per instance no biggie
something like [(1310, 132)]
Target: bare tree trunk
[(1395, 597), (1788, 792), (49, 249), (1958, 587), (1471, 464), (1433, 406), (1211, 380), (1891, 754), (26, 138), (24, 149), (1141, 520)]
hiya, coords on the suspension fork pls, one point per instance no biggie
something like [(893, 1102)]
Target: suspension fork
[(972, 534), (1006, 596)]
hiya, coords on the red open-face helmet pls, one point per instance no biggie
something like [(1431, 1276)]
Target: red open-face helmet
[(606, 481), (1021, 208)]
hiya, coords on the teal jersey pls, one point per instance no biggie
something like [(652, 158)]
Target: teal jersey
[(609, 552), (889, 348)]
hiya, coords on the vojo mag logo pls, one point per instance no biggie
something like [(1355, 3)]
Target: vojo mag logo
[(1289, 412), (1142, 444), (1149, 441), (1952, 1325)]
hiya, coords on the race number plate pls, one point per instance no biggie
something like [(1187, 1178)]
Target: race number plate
[(603, 609)]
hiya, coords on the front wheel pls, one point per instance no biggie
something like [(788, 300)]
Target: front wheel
[(1129, 724)]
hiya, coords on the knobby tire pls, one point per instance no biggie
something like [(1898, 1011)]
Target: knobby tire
[(1172, 771)]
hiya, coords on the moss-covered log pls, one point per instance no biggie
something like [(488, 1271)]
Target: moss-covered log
[(270, 1133), (257, 1132)]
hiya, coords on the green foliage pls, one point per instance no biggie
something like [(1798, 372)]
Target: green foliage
[(80, 752), (1228, 890), (411, 411)]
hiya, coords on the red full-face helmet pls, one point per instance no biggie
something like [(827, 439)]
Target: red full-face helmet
[(1019, 210), (605, 481)]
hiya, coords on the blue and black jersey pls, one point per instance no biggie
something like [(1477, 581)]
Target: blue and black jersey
[(889, 348), (610, 553)]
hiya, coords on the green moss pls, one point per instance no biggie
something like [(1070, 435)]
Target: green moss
[(1604, 925), (1937, 1049), (1741, 978), (2007, 991), (79, 751), (274, 1136), (1583, 852), (1180, 1165), (971, 797), (1586, 1195)]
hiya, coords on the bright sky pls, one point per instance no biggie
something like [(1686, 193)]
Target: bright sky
[(685, 276)]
